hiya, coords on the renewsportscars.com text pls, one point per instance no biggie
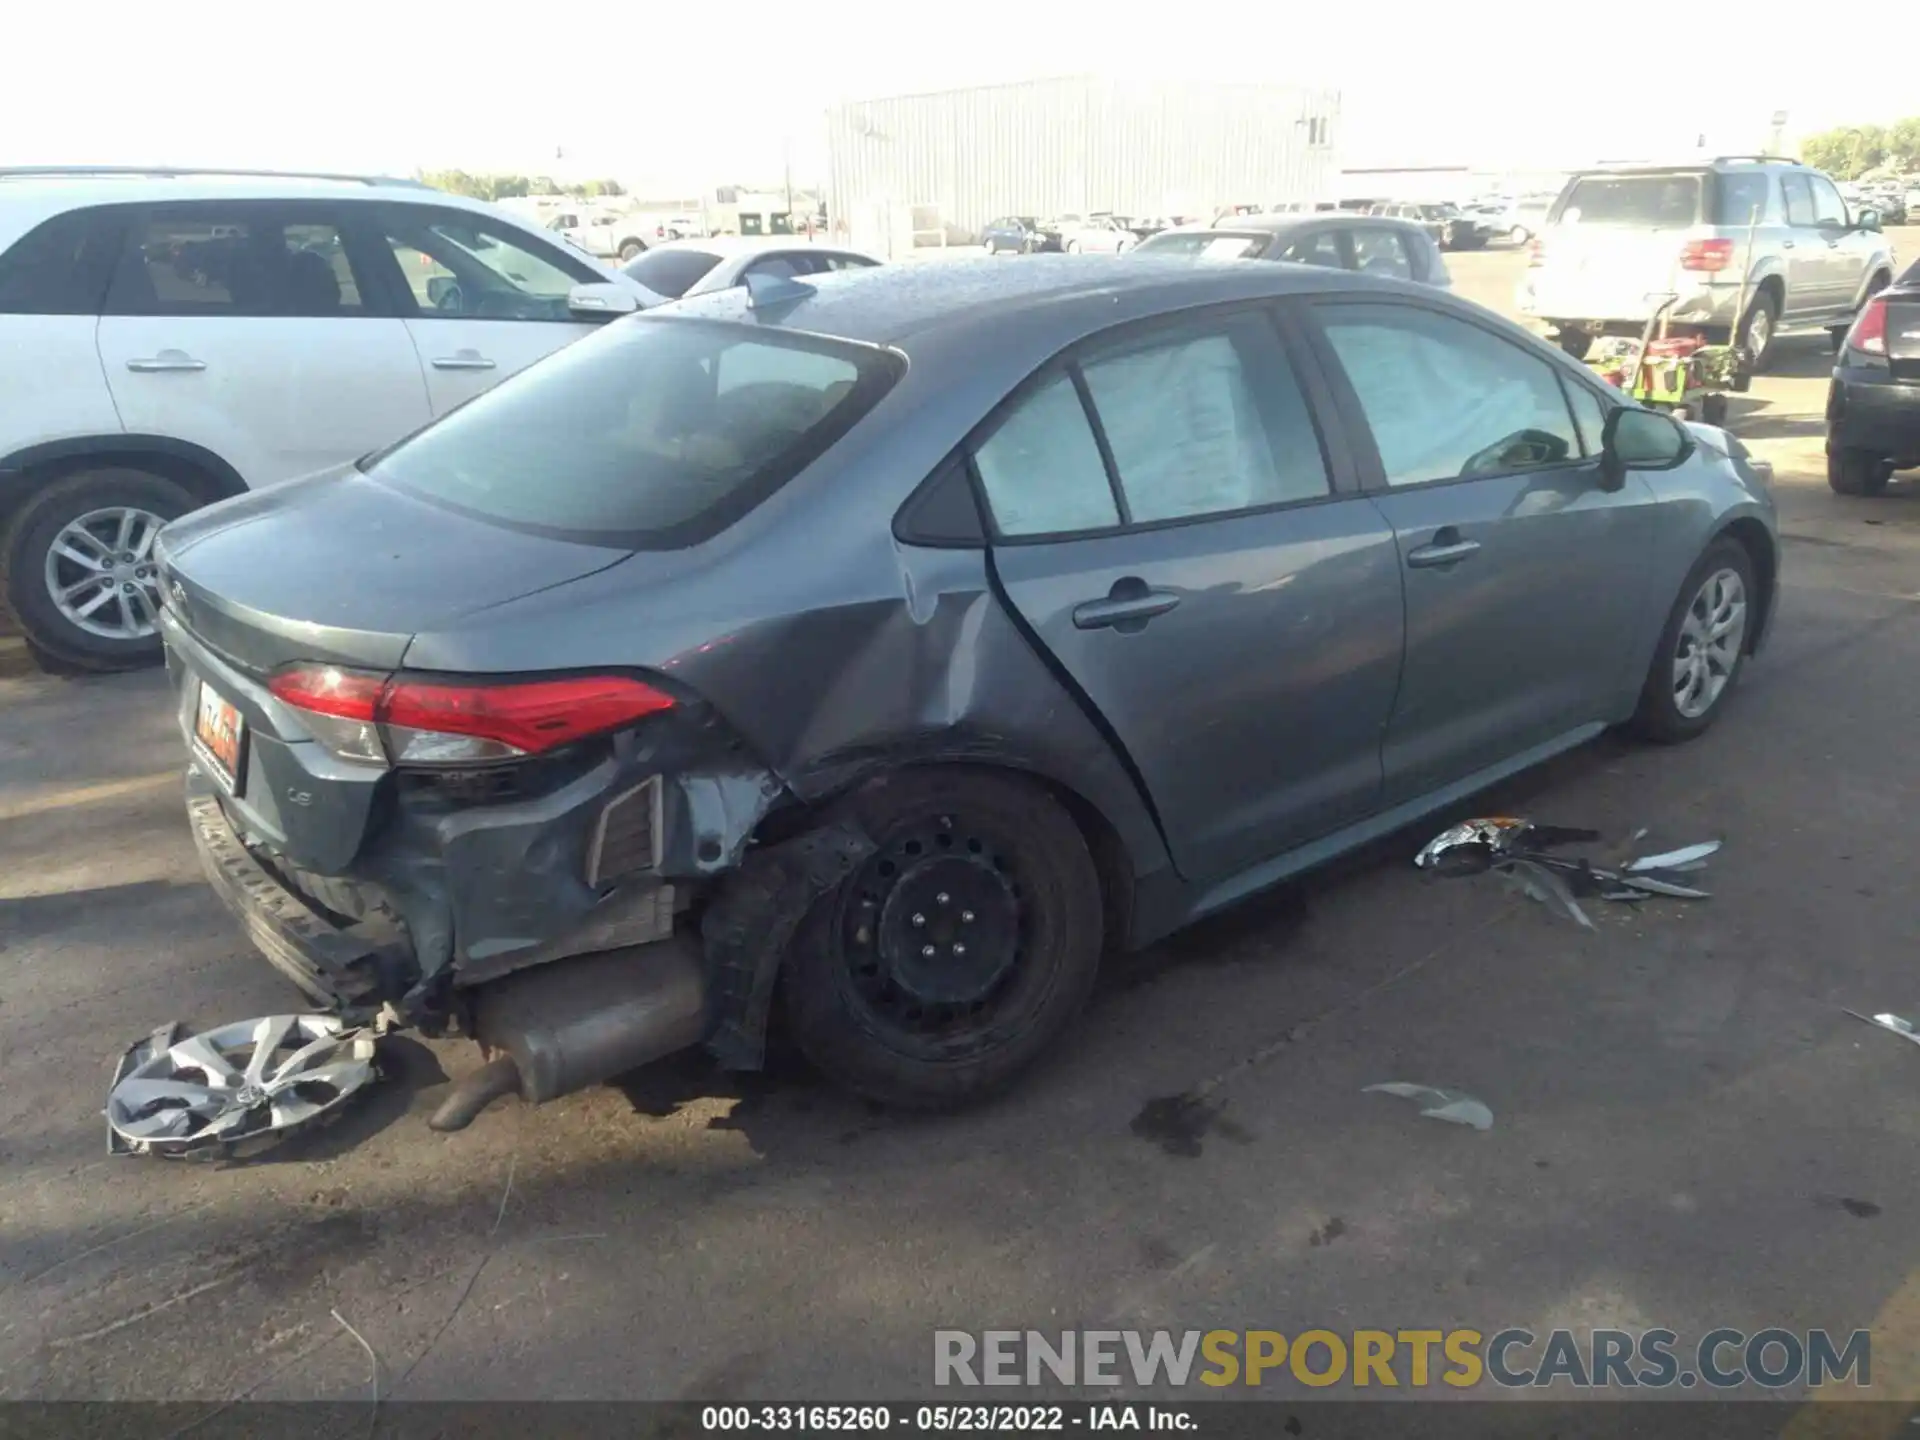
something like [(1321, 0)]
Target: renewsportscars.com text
[(1599, 1359)]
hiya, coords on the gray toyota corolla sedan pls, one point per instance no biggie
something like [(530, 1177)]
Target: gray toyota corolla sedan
[(882, 648)]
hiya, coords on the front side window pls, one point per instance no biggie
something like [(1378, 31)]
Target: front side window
[(1446, 400), (1204, 244), (1381, 252), (1828, 208), (671, 271), (1206, 422), (651, 434), (252, 261), (461, 266)]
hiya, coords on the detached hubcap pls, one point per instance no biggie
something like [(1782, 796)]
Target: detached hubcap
[(932, 930), (101, 573), (1709, 645)]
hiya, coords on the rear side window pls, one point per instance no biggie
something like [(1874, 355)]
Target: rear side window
[(1736, 196), (1382, 252), (1652, 202), (60, 267), (671, 272), (653, 434), (219, 260), (1320, 248), (1207, 421), (1042, 470), (1201, 420), (1799, 199), (1206, 244)]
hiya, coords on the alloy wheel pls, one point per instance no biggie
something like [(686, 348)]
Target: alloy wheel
[(101, 573), (1712, 635)]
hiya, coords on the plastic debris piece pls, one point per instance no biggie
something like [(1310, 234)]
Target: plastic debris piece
[(1888, 1021), (1517, 850), (1686, 855), (1456, 1107), (236, 1089)]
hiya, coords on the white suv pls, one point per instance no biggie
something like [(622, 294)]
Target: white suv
[(168, 339)]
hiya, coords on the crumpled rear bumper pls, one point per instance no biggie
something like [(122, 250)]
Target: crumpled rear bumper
[(334, 965)]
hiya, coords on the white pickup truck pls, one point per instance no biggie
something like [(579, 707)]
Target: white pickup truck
[(602, 232)]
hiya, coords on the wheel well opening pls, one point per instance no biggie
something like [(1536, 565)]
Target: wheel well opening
[(1751, 535), (1111, 861), (1773, 286), (200, 481)]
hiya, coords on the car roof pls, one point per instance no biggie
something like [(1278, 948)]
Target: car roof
[(28, 197), (888, 304), (729, 245)]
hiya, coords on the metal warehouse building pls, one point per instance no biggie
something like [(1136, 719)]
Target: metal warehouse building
[(917, 168)]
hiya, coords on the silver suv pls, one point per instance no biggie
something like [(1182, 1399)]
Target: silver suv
[(1618, 238)]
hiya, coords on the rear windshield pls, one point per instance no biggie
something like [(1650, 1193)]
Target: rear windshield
[(1653, 202), (656, 433), (1205, 244), (671, 272)]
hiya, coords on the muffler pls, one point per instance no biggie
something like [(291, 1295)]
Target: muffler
[(568, 1024)]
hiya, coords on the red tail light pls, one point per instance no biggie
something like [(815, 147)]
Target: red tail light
[(1711, 256), (420, 721), (1536, 253), (1869, 332)]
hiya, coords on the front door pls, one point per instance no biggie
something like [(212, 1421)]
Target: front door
[(1169, 527), (1523, 577), (250, 328), (483, 300)]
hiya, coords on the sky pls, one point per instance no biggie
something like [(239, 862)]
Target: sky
[(673, 99)]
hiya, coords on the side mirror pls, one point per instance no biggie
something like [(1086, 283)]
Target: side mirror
[(601, 300), (1637, 439), (1868, 219)]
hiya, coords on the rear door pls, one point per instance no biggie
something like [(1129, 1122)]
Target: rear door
[(1844, 250), (482, 300), (1178, 535), (1523, 577), (257, 330), (1810, 268)]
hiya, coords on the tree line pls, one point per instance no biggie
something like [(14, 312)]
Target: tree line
[(1850, 151), (502, 187)]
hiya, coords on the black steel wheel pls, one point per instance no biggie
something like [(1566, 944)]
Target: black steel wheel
[(954, 955)]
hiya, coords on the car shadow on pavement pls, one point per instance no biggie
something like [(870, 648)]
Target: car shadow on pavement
[(33, 917)]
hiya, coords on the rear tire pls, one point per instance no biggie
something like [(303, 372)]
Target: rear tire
[(1519, 234), (992, 248), (964, 855), (631, 250), (1757, 329), (1857, 472), (1670, 711), (30, 571)]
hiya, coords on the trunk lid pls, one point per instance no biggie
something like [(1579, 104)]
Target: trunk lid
[(1611, 240), (341, 569)]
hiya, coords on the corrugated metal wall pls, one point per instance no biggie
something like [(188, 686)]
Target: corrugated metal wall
[(1051, 147)]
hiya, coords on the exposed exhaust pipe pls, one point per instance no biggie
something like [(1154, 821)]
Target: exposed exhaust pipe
[(572, 1023)]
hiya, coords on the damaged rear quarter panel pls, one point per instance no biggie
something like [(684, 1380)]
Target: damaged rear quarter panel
[(832, 650)]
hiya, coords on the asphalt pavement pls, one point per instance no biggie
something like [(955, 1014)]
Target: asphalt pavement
[(1689, 1132)]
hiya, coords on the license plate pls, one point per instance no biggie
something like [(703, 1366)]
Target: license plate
[(219, 736)]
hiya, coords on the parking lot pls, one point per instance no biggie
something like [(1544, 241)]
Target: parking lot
[(1689, 1132)]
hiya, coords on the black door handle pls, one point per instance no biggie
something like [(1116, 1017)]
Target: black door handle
[(1446, 548), (1128, 606)]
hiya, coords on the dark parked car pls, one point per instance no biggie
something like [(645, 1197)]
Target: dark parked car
[(1873, 404), (1451, 227), (1020, 234), (1373, 245), (887, 646)]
